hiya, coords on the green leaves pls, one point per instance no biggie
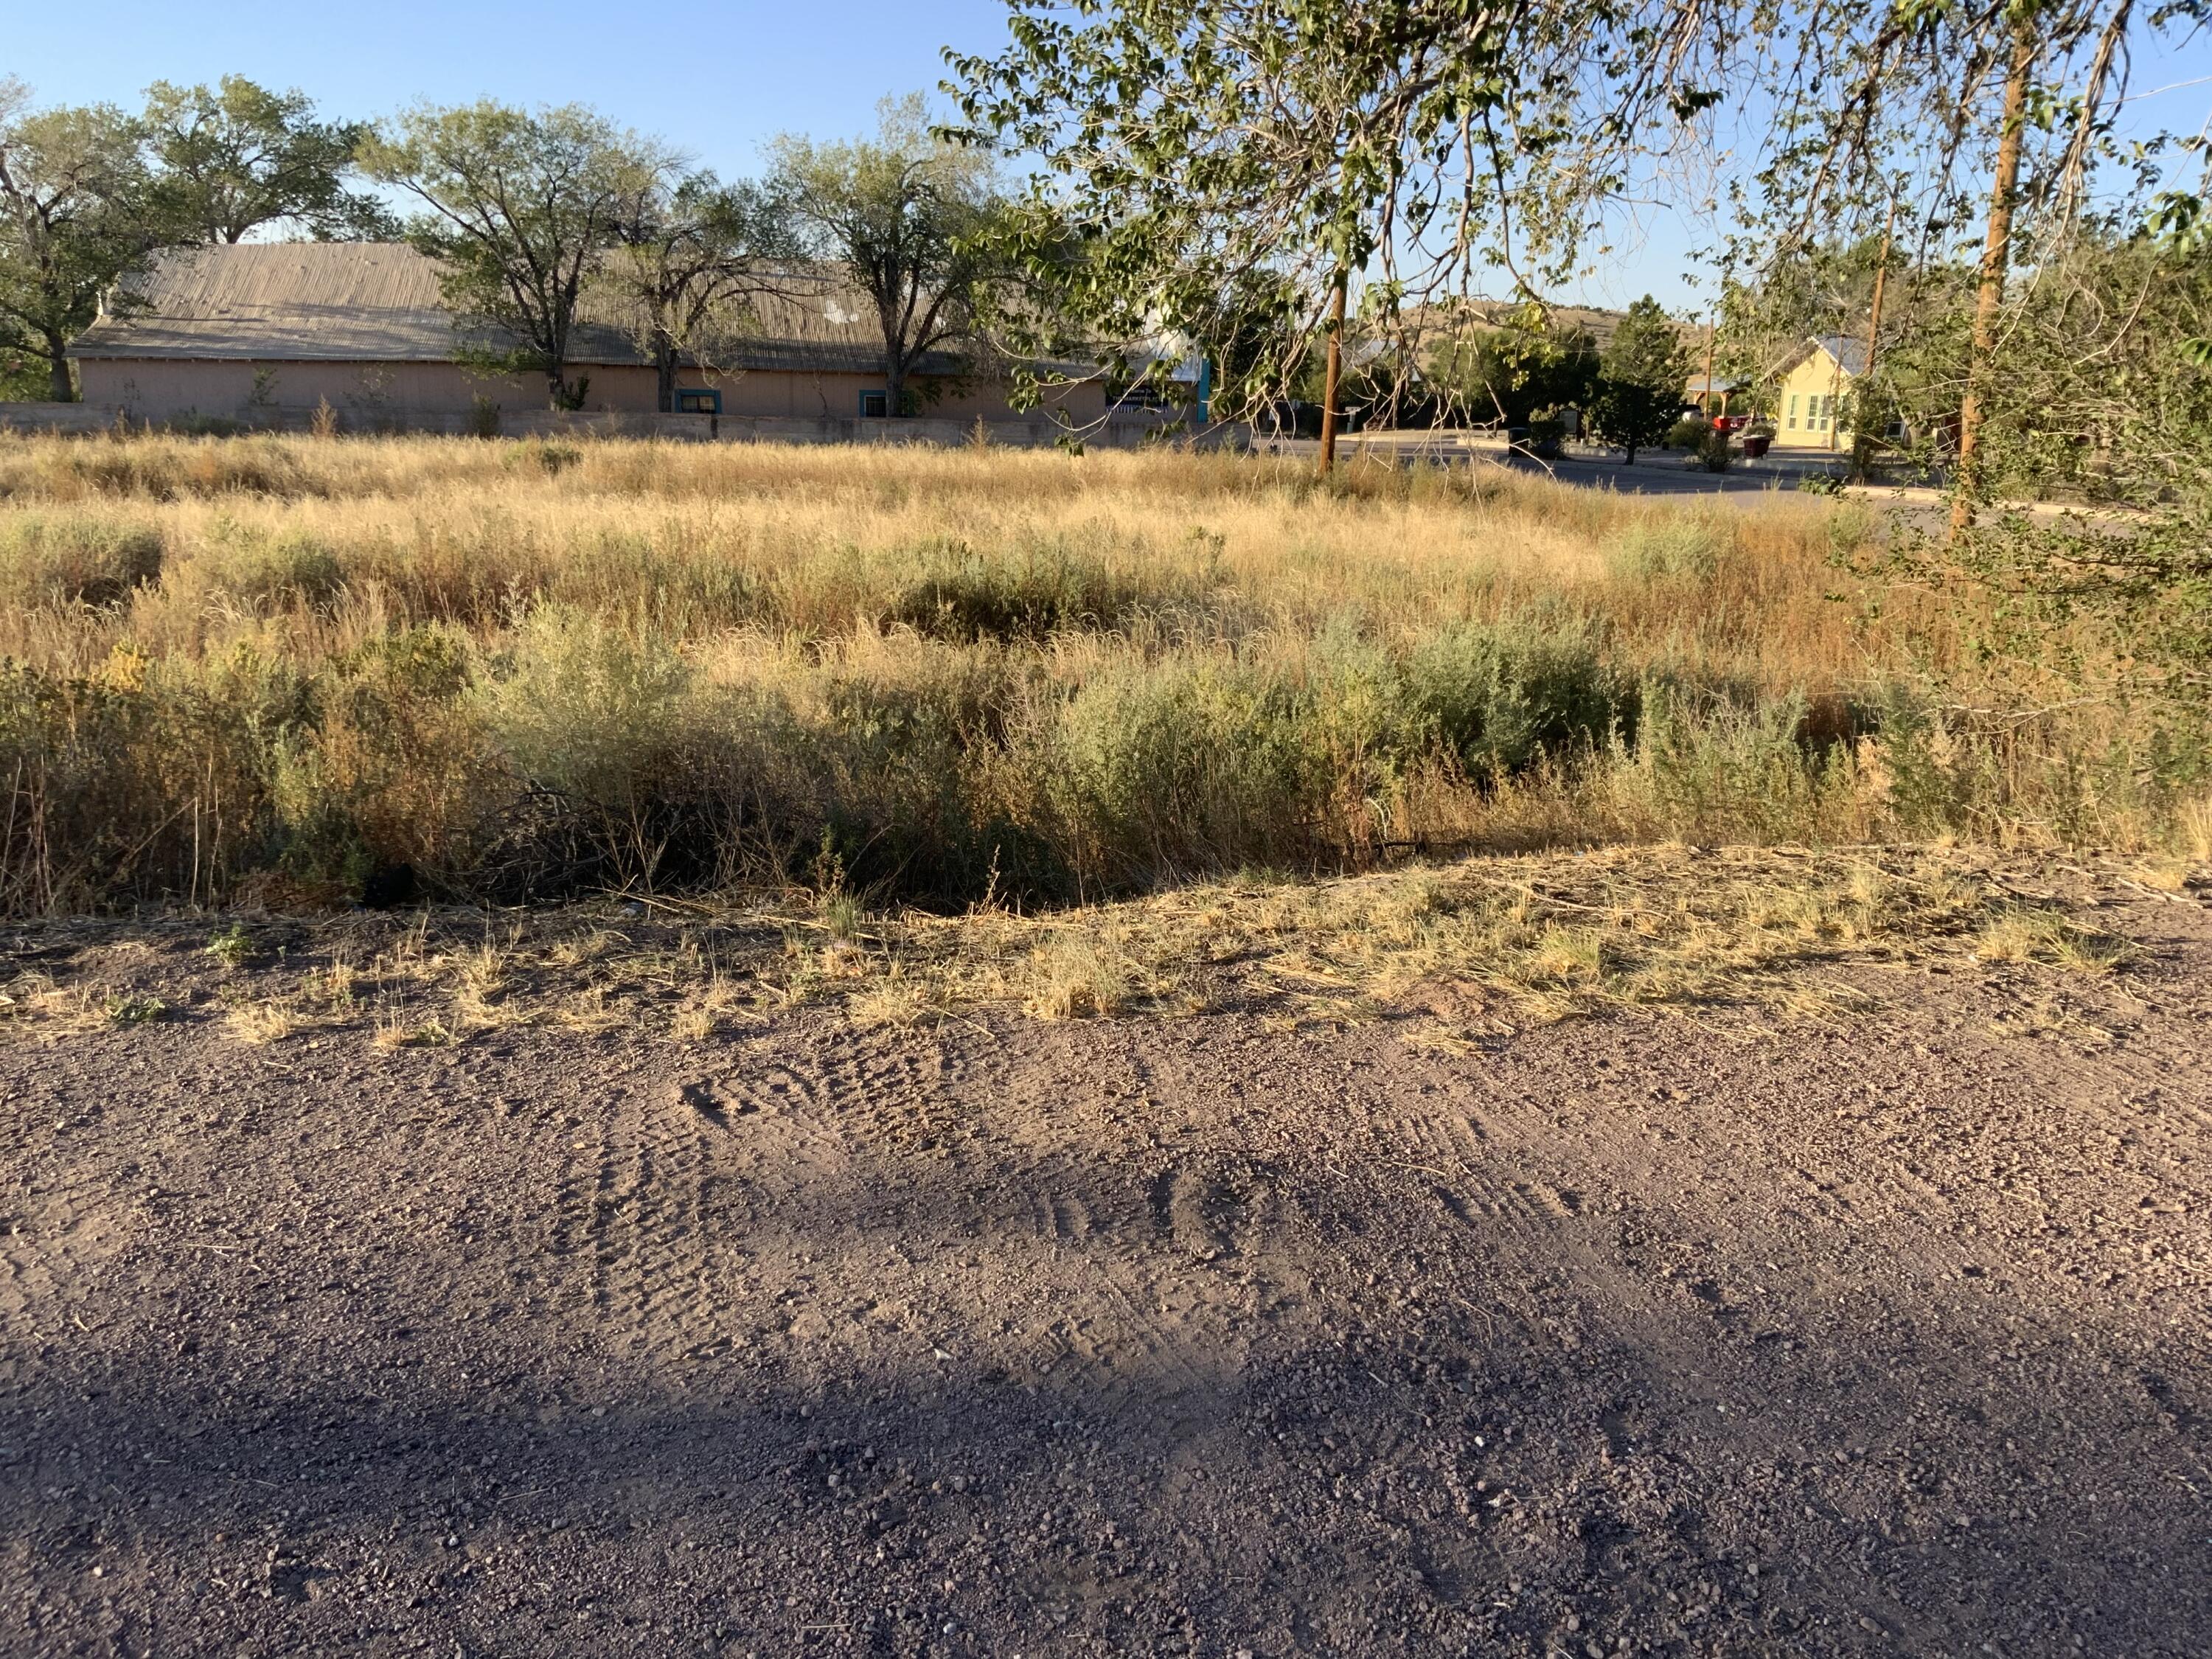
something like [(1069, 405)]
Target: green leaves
[(915, 221), (74, 221), (1199, 143), (236, 157), (518, 206)]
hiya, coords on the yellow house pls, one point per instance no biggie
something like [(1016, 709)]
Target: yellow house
[(1813, 393)]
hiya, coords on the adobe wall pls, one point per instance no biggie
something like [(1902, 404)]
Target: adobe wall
[(1017, 432), (372, 397)]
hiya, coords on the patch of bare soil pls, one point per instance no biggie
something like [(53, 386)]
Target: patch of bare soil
[(1732, 1333)]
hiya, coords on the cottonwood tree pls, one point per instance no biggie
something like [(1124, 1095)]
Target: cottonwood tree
[(1986, 122), (236, 158), (1511, 370), (689, 256), (907, 218), (1421, 148), (2095, 399), (517, 208), (75, 224), (2048, 322)]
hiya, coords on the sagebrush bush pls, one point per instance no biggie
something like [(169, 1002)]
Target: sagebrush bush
[(581, 706), (61, 560), (1175, 767), (958, 593), (253, 567), (1499, 701), (1675, 549)]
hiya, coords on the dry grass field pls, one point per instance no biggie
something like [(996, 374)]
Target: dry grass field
[(292, 671)]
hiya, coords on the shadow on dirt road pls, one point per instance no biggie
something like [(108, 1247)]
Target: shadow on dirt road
[(1640, 1336)]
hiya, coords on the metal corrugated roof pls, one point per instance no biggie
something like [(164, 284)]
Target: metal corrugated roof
[(1848, 350), (380, 302)]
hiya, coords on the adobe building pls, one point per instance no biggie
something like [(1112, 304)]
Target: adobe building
[(269, 332)]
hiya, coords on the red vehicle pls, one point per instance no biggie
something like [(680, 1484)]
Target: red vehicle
[(1731, 423)]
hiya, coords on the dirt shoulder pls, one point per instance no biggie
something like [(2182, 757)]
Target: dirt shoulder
[(1732, 1331)]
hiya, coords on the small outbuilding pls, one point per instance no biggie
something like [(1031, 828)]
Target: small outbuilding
[(1712, 395)]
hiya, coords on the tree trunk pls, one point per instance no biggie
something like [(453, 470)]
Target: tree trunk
[(1862, 441), (1996, 253), (1334, 376), (664, 365), (894, 385), (1631, 448), (59, 386)]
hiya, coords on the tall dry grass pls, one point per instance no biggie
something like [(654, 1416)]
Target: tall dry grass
[(514, 670)]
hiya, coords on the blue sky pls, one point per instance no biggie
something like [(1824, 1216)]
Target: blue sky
[(716, 79)]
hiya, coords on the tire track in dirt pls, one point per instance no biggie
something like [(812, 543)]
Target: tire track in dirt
[(1474, 1164), (1167, 1295), (665, 1184)]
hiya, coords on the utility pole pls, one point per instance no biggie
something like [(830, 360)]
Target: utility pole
[(1713, 337), (1996, 251), (1861, 444), (1335, 372)]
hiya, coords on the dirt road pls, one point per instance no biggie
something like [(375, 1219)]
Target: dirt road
[(1172, 1337)]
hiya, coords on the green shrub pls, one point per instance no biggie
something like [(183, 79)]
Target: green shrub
[(583, 706), (395, 770), (254, 567), (962, 596), (1177, 768), (1662, 549), (1687, 433), (75, 560), (157, 783), (1729, 771), (1496, 700)]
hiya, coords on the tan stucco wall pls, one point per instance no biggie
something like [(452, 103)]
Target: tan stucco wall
[(1800, 423), (361, 393), (369, 395)]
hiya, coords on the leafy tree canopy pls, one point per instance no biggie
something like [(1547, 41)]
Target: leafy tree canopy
[(75, 222), (236, 158), (689, 255), (907, 215), (517, 206), (1435, 147), (1647, 349)]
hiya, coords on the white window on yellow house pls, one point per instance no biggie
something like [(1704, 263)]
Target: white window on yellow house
[(1793, 411)]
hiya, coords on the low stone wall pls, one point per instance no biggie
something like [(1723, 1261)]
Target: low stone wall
[(1032, 434), (57, 417)]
